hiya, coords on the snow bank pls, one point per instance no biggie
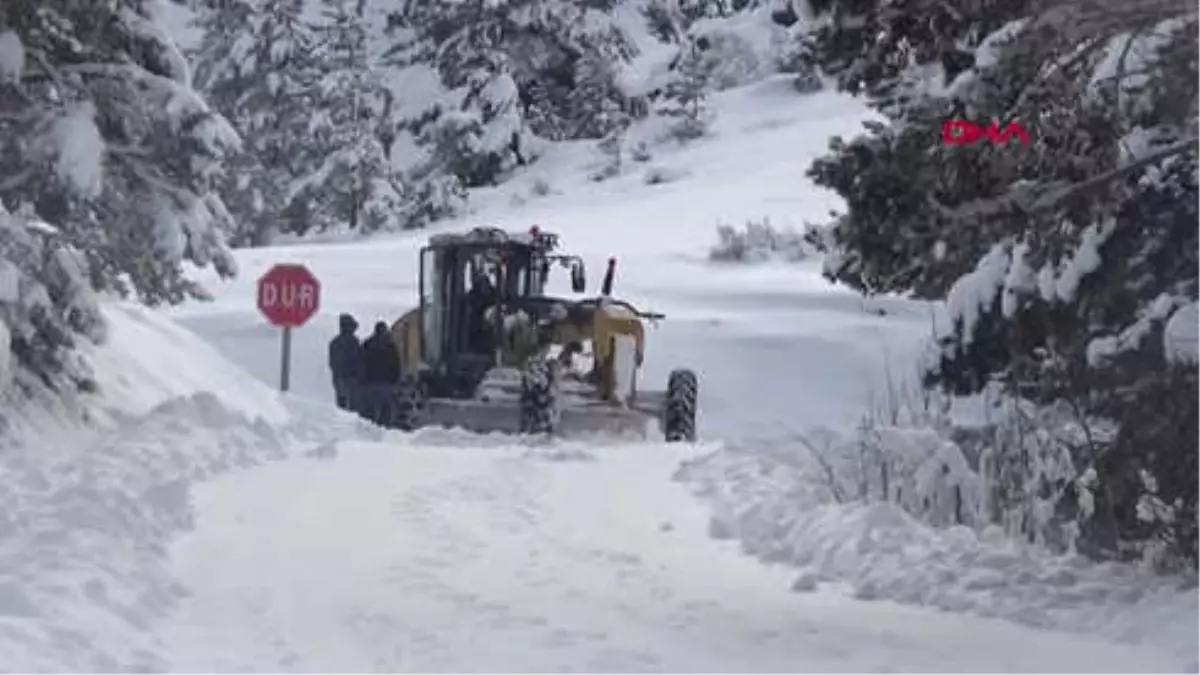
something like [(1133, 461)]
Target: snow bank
[(773, 503), (85, 573), (95, 488)]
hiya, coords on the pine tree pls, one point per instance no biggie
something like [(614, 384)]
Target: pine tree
[(666, 20), (686, 95), (884, 48), (257, 66), (102, 137), (497, 138), (542, 45), (593, 106), (353, 182), (541, 112), (46, 301), (507, 78), (612, 148), (1063, 262)]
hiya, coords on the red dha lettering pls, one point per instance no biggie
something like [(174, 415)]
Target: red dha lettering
[(965, 132)]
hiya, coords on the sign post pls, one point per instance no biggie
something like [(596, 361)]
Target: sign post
[(285, 359), (288, 296)]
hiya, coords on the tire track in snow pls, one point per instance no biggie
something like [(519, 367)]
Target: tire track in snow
[(394, 557), (500, 503)]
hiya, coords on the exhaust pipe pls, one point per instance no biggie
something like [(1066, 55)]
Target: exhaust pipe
[(606, 287)]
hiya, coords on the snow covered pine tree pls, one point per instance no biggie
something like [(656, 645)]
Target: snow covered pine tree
[(354, 183), (685, 96), (109, 156), (256, 66), (1065, 262), (509, 73)]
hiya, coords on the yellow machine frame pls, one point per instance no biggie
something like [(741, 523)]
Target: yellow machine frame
[(605, 323)]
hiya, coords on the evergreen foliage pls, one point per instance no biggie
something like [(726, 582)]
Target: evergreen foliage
[(109, 160), (1063, 261)]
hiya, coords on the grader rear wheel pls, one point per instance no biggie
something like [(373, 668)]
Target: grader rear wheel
[(679, 422)]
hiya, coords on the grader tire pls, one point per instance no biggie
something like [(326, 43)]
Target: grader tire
[(408, 406), (679, 423), (539, 411)]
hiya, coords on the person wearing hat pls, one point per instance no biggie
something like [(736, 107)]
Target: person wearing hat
[(381, 376), (346, 363)]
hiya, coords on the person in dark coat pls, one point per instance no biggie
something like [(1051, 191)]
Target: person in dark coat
[(481, 296), (346, 363), (382, 365), (380, 356)]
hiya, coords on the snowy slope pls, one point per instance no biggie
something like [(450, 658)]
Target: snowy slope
[(87, 509)]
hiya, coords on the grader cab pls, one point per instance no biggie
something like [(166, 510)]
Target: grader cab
[(488, 350)]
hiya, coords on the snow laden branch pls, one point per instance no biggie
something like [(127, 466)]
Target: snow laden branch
[(1108, 17), (104, 142), (1032, 198)]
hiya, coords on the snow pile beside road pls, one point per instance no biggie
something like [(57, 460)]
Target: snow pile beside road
[(773, 503), (95, 489), (85, 569)]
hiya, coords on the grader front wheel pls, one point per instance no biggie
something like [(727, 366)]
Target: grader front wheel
[(679, 419), (538, 407)]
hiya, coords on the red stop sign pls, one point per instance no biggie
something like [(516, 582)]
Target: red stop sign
[(288, 295)]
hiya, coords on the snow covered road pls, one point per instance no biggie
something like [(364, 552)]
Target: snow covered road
[(451, 556)]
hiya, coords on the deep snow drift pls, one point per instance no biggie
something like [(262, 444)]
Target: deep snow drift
[(771, 500), (88, 509)]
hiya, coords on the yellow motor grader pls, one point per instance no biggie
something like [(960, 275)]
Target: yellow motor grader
[(488, 350)]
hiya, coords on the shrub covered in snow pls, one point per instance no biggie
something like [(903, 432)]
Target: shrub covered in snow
[(685, 96), (756, 42), (798, 57), (733, 61), (612, 148), (759, 241), (777, 505), (46, 303)]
